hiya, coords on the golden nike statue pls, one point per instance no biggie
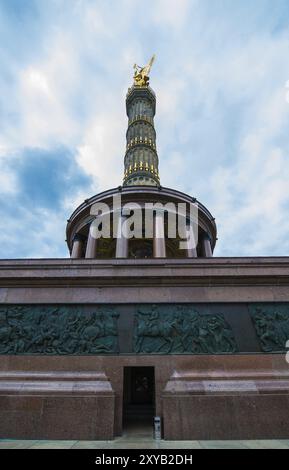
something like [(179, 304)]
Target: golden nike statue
[(141, 74)]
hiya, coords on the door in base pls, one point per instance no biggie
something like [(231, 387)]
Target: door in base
[(138, 396)]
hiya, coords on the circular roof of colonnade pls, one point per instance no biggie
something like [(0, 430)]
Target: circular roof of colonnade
[(82, 216)]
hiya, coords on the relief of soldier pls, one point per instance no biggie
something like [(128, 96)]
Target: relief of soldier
[(178, 329), (272, 327), (57, 330), (181, 330)]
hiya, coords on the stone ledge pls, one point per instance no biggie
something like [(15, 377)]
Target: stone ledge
[(128, 272), (244, 382), (55, 383), (225, 387)]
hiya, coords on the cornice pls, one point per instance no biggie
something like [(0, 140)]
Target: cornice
[(153, 272)]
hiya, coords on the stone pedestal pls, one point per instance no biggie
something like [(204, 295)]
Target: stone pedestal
[(226, 405), (45, 394), (56, 405), (198, 397)]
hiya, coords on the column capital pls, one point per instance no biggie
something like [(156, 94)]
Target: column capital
[(78, 237), (77, 246), (206, 236), (207, 246)]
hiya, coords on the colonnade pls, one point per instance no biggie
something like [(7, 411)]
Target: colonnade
[(122, 241)]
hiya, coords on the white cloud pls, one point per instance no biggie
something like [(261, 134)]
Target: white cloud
[(252, 193), (8, 182), (45, 89), (101, 153), (171, 13)]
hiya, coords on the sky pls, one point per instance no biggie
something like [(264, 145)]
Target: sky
[(221, 77)]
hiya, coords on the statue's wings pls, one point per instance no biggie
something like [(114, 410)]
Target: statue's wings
[(147, 68), (152, 60)]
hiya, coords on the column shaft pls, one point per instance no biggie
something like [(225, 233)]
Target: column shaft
[(192, 251), (159, 242), (77, 247), (91, 244), (122, 240)]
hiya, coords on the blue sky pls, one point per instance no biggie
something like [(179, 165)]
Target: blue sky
[(222, 113)]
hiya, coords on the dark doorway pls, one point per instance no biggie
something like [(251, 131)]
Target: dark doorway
[(138, 397)]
